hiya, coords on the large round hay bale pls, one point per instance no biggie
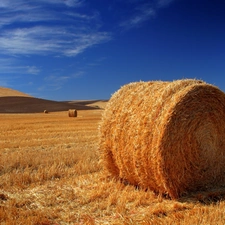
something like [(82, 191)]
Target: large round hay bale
[(165, 136), (72, 113)]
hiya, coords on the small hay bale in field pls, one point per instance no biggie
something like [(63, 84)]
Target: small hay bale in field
[(165, 136), (45, 111), (72, 113)]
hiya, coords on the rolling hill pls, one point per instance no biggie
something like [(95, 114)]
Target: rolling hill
[(13, 101), (6, 92)]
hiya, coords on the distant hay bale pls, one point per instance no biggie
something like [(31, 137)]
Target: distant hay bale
[(45, 111), (72, 113), (165, 136)]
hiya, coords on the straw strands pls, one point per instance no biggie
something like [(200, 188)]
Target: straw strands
[(165, 136), (72, 113)]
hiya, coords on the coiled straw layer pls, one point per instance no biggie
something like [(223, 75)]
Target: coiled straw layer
[(165, 136)]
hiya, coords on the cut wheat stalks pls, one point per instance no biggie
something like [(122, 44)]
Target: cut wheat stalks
[(165, 136), (72, 113)]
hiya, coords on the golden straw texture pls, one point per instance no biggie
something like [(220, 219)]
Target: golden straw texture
[(72, 113), (165, 136)]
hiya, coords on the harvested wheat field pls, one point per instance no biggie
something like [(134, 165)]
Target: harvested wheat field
[(51, 174)]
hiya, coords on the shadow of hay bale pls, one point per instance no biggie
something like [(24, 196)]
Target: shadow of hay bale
[(207, 197)]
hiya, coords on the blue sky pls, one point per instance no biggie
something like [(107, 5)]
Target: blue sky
[(88, 49)]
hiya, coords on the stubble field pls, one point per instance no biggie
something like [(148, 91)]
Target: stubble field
[(50, 174)]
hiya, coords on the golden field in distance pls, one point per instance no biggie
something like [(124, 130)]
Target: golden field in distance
[(50, 174)]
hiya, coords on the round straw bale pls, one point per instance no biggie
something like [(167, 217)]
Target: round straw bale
[(72, 113), (165, 136), (45, 111)]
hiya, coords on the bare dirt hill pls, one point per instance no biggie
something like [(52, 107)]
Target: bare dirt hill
[(12, 101)]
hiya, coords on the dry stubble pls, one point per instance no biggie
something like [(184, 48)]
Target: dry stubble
[(50, 174)]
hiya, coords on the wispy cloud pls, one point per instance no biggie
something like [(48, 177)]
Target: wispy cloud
[(57, 82), (32, 70), (4, 82), (48, 40), (70, 3), (54, 82), (78, 74), (84, 41), (33, 28), (12, 66), (14, 73), (23, 4), (97, 61), (39, 27), (141, 15), (142, 12), (163, 3)]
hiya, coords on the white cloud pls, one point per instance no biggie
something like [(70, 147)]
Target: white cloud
[(12, 66), (49, 40), (22, 12), (16, 5), (164, 3), (56, 82), (33, 70), (70, 3), (76, 3), (78, 74), (34, 40), (4, 4), (143, 12), (83, 17), (37, 29), (24, 18), (54, 78), (84, 41), (4, 82)]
